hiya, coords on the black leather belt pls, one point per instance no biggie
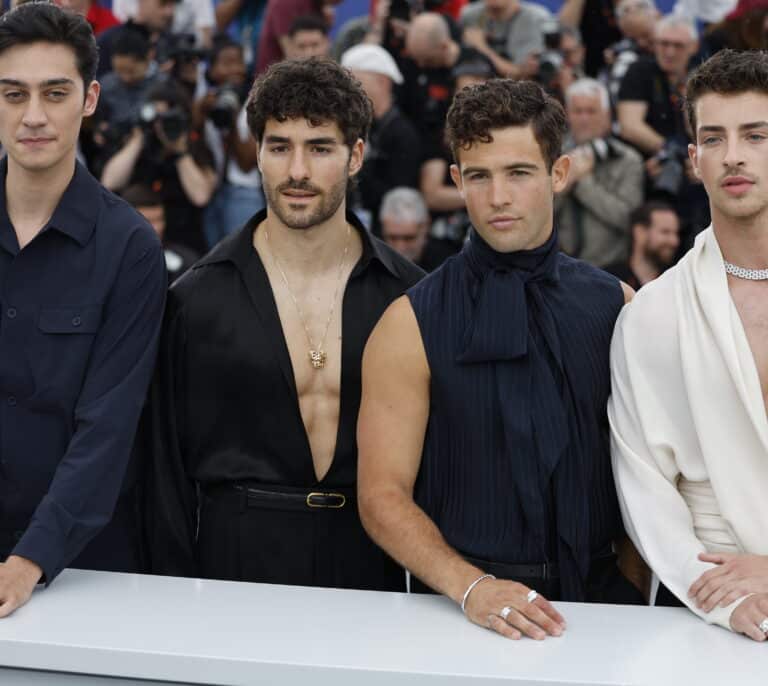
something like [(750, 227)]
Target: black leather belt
[(282, 498), (535, 570)]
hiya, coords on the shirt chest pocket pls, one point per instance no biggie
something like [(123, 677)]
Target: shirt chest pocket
[(61, 349), (70, 320)]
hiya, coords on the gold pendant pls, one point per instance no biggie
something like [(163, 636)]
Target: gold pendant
[(317, 358)]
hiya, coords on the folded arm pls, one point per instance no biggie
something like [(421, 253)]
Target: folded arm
[(656, 516)]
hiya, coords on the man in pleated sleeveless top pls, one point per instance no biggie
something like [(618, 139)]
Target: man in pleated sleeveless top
[(484, 462)]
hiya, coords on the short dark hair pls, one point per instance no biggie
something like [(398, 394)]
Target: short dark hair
[(132, 43), (308, 22), (727, 72), (499, 104), (643, 216), (33, 22), (316, 89)]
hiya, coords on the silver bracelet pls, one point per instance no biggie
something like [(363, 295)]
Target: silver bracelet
[(471, 586)]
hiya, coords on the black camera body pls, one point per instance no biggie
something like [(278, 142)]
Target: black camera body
[(551, 59), (672, 158), (225, 108), (174, 122), (182, 48)]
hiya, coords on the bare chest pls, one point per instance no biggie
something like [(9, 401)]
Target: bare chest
[(751, 300), (310, 313)]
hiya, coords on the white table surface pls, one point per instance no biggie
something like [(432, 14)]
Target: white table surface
[(188, 630)]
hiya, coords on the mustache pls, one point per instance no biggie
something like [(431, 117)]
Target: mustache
[(303, 186)]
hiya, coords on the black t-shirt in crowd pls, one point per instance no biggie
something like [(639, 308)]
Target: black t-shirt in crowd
[(392, 159), (646, 82), (426, 95), (183, 220), (599, 31), (623, 272)]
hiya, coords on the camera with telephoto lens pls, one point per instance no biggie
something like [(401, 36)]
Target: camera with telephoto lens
[(173, 122), (225, 108), (181, 48), (672, 158), (551, 59)]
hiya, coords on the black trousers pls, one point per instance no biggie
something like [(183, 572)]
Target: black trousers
[(665, 598), (262, 540), (605, 583)]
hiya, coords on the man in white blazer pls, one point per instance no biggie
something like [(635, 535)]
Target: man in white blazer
[(689, 366)]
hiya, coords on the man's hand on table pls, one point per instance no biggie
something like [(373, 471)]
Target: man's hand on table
[(18, 578), (734, 576), (537, 619), (749, 615)]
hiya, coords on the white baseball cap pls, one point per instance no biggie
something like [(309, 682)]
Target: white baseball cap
[(373, 58)]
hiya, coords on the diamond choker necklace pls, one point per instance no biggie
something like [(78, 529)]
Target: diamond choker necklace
[(742, 273)]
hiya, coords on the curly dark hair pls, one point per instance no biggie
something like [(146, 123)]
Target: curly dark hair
[(501, 103), (315, 89), (727, 72)]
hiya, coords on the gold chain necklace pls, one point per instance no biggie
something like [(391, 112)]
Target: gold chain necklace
[(317, 356)]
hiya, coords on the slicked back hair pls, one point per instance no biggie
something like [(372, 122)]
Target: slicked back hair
[(502, 103), (727, 72), (315, 89)]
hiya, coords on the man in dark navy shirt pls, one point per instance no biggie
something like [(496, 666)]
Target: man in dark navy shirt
[(82, 288)]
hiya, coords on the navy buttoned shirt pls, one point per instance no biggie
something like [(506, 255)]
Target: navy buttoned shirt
[(80, 310)]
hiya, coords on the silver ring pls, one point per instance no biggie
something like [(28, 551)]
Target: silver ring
[(532, 595), (763, 626), (506, 610)]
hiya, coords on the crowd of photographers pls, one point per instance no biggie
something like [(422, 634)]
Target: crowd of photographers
[(170, 132)]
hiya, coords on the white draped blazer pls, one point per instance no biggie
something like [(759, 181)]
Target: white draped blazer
[(689, 433)]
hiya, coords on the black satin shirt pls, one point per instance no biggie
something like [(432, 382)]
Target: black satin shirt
[(224, 406)]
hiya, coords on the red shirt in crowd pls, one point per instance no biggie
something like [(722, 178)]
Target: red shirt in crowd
[(100, 18), (278, 18)]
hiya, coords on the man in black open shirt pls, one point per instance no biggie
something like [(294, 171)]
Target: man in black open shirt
[(254, 412), (82, 285)]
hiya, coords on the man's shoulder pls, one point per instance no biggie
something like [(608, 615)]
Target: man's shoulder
[(117, 218), (624, 151), (435, 282), (472, 13), (579, 272), (400, 125), (644, 66), (638, 80), (623, 272), (654, 306), (401, 268), (534, 11)]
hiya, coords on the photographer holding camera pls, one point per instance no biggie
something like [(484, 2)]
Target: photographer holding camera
[(651, 118), (133, 74), (651, 92), (605, 183), (221, 116), (164, 152)]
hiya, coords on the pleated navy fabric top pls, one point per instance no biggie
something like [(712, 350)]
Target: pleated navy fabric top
[(516, 465)]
